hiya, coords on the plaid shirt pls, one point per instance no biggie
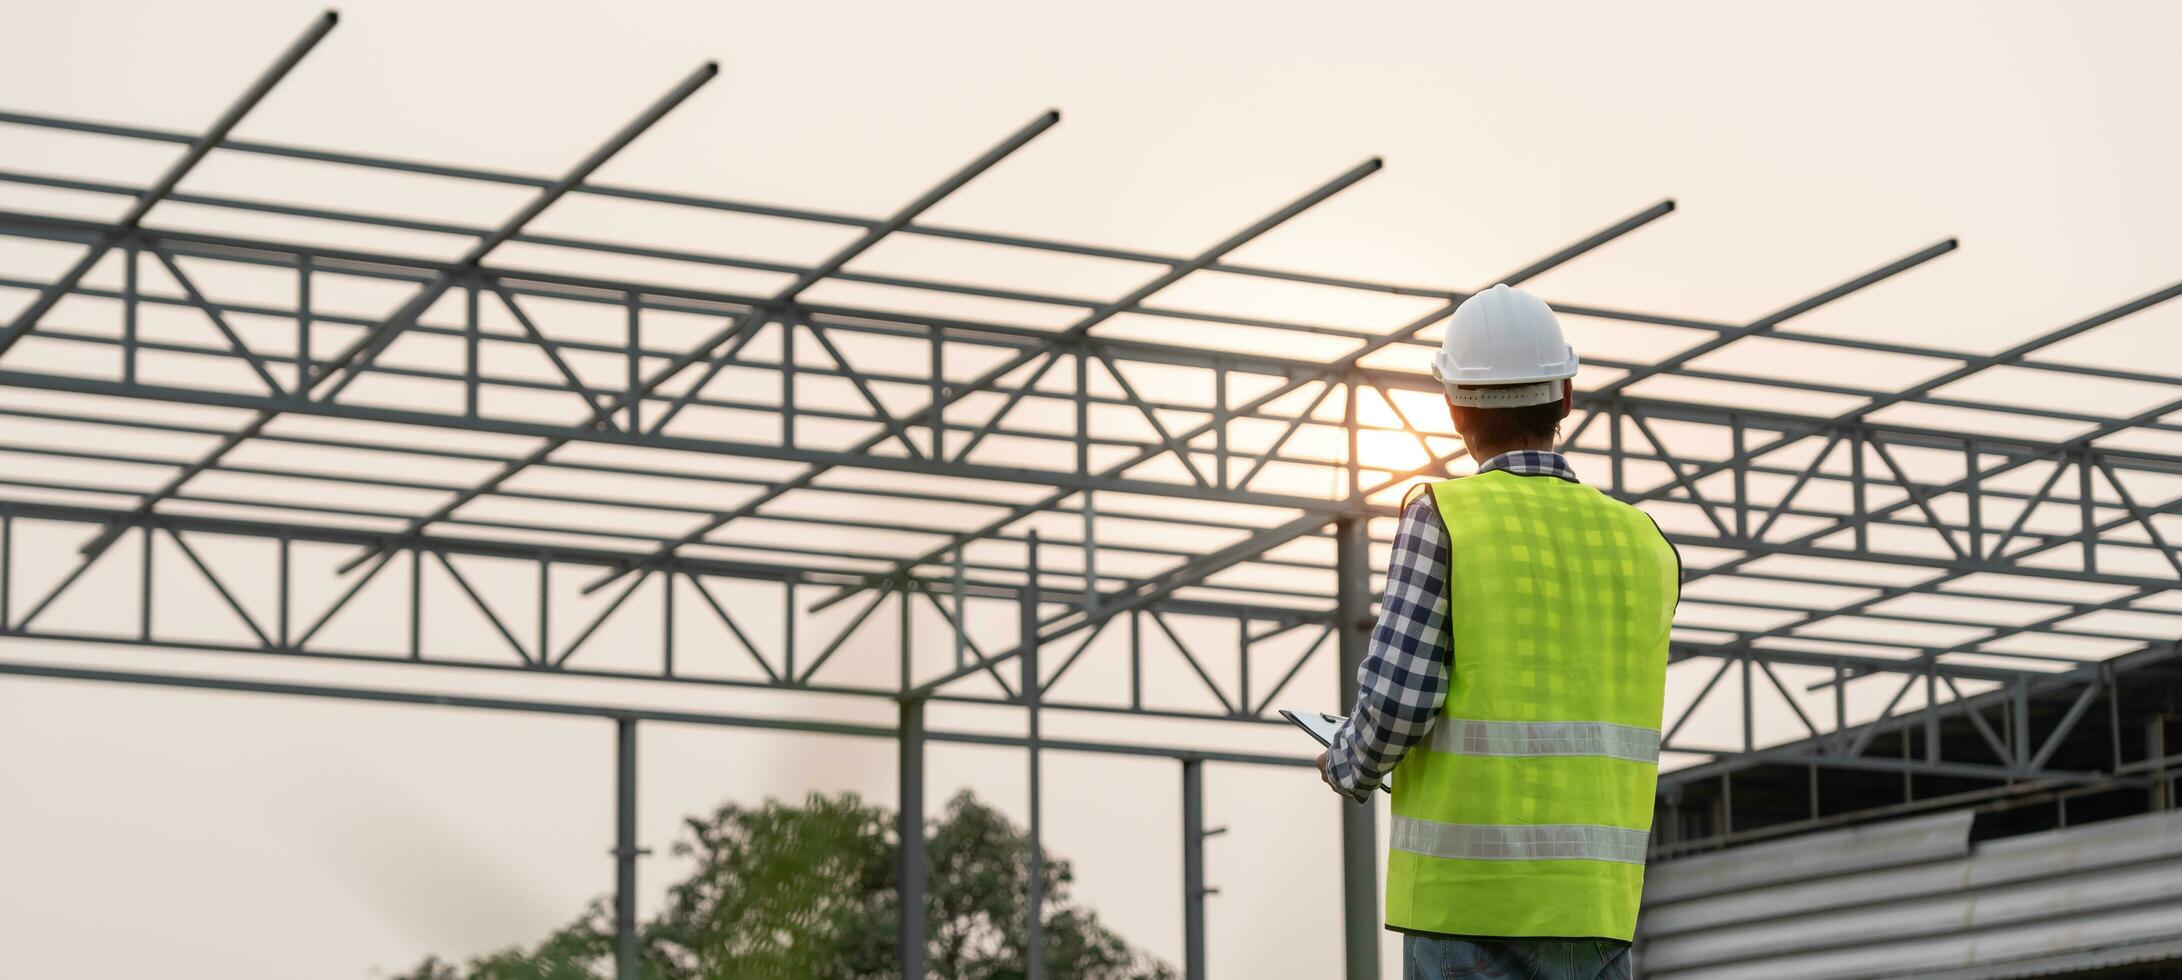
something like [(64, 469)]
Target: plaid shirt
[(1403, 680)]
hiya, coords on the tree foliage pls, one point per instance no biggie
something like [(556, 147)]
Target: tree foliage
[(800, 892)]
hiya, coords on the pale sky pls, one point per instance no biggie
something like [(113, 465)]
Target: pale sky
[(172, 834)]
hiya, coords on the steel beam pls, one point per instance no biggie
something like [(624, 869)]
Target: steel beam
[(748, 323), (379, 336), (1075, 331), (583, 710), (862, 319), (126, 520), (199, 148), (367, 348), (1137, 595), (1274, 537), (1767, 323), (1339, 368)]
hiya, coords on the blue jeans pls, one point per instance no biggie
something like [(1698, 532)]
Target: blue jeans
[(1430, 958)]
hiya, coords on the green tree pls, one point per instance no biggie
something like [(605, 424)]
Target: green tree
[(799, 892)]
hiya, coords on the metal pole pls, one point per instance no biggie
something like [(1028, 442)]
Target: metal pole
[(2155, 750), (625, 850), (1034, 946), (910, 828), (1193, 869), (1359, 847)]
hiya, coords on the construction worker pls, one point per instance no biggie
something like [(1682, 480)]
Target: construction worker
[(1513, 684)]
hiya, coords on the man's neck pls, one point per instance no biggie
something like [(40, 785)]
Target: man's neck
[(1485, 454)]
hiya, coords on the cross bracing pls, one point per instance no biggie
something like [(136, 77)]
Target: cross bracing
[(844, 437)]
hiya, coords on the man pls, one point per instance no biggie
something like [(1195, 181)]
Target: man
[(1513, 685)]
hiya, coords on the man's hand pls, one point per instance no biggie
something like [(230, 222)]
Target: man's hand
[(1325, 773)]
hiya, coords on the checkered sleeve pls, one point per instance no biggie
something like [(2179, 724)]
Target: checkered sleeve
[(1403, 680)]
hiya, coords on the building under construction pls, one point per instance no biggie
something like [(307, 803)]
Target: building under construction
[(1925, 667)]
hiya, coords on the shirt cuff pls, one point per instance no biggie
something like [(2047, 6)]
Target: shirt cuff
[(1348, 777)]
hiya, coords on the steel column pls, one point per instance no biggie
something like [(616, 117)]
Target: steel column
[(1193, 869), (625, 850), (1034, 946), (909, 828), (1359, 846)]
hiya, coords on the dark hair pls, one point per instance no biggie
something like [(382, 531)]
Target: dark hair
[(1506, 426)]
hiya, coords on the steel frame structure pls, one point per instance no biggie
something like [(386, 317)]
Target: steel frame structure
[(813, 459)]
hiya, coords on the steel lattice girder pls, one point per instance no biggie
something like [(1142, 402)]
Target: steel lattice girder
[(222, 553), (1719, 494)]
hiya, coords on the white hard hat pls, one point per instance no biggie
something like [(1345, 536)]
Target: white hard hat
[(1504, 349)]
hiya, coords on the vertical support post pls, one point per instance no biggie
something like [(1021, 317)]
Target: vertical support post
[(788, 630), (1974, 465), (635, 365), (1242, 665), (787, 381), (144, 587), (2106, 675), (1909, 786), (666, 623), (1034, 946), (305, 368), (7, 567), (910, 829), (1354, 455), (1615, 455), (1742, 479), (545, 609), (2087, 512), (939, 392), (908, 651), (1857, 487), (286, 580), (1193, 869), (1219, 422), (470, 344), (1090, 552), (962, 621), (416, 601), (1931, 711), (129, 294), (2155, 749), (625, 850), (1750, 735), (1840, 705), (1136, 659), (2020, 711), (1359, 847), (1083, 413), (1727, 805)]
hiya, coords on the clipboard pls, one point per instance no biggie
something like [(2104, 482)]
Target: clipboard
[(1321, 727)]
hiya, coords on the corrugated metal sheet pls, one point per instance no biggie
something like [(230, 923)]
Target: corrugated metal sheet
[(1912, 898)]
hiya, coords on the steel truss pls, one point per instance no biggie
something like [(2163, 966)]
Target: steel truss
[(823, 462)]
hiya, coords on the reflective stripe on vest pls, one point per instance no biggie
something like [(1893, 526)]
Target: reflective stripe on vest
[(1536, 738), (1494, 842)]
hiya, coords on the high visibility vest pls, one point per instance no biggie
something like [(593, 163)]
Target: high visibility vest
[(1527, 809)]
